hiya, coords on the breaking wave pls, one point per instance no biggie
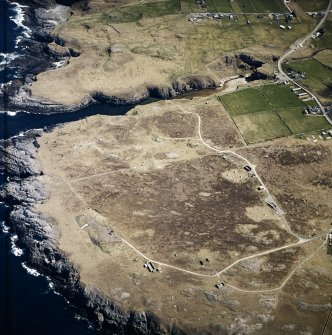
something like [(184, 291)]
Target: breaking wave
[(5, 59), (31, 271), (18, 19), (4, 228), (16, 251)]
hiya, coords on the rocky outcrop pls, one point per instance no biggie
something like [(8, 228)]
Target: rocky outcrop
[(181, 85), (241, 63), (19, 156), (28, 190), (38, 237)]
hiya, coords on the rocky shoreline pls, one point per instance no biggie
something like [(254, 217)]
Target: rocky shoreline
[(38, 236)]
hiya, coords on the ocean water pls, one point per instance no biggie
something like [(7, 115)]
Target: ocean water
[(28, 303)]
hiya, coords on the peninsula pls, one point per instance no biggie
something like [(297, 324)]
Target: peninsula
[(208, 213)]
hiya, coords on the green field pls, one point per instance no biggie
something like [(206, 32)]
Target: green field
[(312, 5), (261, 126), (324, 57), (261, 6), (189, 6), (325, 41), (135, 12), (155, 9), (318, 77), (272, 6), (281, 96), (246, 6), (218, 6), (213, 6), (300, 123), (269, 112), (245, 101)]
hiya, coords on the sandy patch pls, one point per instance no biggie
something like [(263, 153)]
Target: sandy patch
[(236, 176), (260, 213)]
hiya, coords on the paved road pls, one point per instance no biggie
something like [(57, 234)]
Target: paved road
[(294, 46)]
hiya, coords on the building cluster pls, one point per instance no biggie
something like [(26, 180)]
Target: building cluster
[(296, 75), (312, 110), (197, 17), (288, 17)]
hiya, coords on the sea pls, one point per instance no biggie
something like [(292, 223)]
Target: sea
[(28, 302)]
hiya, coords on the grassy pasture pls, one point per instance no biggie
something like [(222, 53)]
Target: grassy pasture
[(310, 5), (270, 112), (325, 41), (155, 9), (300, 123), (135, 12), (261, 126), (212, 6), (272, 6), (246, 6), (261, 6), (324, 57), (189, 6), (223, 6), (281, 96), (245, 101)]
